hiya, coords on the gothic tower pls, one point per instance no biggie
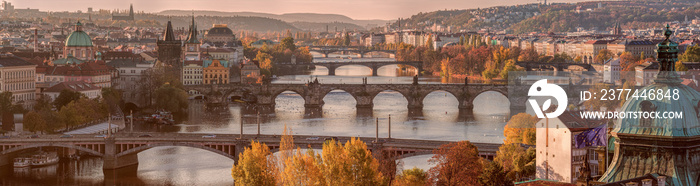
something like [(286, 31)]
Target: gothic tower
[(169, 49), (191, 48)]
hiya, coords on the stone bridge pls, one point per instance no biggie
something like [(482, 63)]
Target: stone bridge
[(360, 51), (121, 150), (557, 66), (313, 93), (374, 65)]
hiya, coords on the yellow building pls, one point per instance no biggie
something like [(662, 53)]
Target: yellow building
[(215, 72)]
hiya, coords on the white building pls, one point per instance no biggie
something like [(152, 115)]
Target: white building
[(130, 71), (557, 158), (18, 76), (611, 70), (192, 73)]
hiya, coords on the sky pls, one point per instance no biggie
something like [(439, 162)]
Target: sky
[(356, 9)]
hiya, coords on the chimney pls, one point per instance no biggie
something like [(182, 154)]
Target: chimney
[(661, 181), (646, 182), (36, 40)]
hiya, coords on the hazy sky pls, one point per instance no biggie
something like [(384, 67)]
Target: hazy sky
[(356, 9)]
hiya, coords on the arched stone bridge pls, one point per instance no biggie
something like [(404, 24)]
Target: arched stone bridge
[(122, 150), (313, 93), (557, 66), (374, 65), (360, 51)]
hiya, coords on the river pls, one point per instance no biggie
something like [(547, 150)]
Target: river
[(439, 120)]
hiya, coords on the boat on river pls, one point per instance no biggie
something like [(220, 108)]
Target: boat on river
[(22, 162), (161, 117), (44, 159)]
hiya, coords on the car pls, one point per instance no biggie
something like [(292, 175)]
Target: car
[(312, 138), (34, 136), (4, 137), (331, 139), (66, 136), (145, 136), (209, 136), (101, 136)]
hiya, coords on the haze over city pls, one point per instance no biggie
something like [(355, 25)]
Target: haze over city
[(358, 9)]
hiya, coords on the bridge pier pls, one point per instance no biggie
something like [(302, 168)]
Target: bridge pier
[(5, 159), (331, 70), (110, 159), (241, 144), (364, 112)]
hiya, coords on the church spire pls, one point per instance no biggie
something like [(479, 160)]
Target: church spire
[(192, 37), (667, 52), (169, 35)]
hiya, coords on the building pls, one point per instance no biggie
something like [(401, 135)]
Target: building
[(220, 33), (96, 73), (129, 17), (84, 88), (169, 49), (215, 72), (634, 47), (664, 146), (611, 72), (557, 158), (130, 72), (250, 73), (192, 73), (79, 44), (192, 44), (372, 39), (18, 76), (646, 73)]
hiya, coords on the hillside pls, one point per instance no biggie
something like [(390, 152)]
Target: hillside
[(290, 17), (321, 27), (559, 17)]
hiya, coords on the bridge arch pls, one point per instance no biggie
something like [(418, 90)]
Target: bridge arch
[(70, 146), (142, 148), (469, 101)]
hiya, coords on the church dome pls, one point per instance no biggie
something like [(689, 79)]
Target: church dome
[(78, 38), (220, 30), (687, 104)]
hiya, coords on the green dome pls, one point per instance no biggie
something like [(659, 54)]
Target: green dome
[(79, 39), (687, 104)]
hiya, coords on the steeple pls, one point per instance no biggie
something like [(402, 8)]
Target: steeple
[(667, 52), (78, 27), (169, 35), (131, 10), (192, 37)]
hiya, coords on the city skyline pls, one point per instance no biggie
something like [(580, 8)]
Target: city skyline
[(358, 10)]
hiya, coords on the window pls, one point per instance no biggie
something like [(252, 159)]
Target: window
[(647, 106)]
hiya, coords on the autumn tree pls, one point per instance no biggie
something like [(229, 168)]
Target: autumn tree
[(509, 67), (680, 67), (411, 177), (626, 59), (255, 166), (520, 129), (288, 44), (351, 164), (494, 175), (455, 164), (603, 55), (303, 169), (516, 161), (528, 55)]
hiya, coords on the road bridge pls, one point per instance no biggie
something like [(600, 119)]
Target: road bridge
[(557, 66), (360, 51), (374, 65), (121, 150)]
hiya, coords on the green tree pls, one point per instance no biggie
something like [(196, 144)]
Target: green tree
[(346, 39), (288, 44), (33, 122), (7, 108), (516, 161), (692, 54), (494, 175), (171, 99), (255, 166), (509, 67), (66, 96), (412, 177), (72, 115), (455, 164)]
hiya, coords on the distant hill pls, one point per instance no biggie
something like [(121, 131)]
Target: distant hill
[(290, 17), (321, 27)]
